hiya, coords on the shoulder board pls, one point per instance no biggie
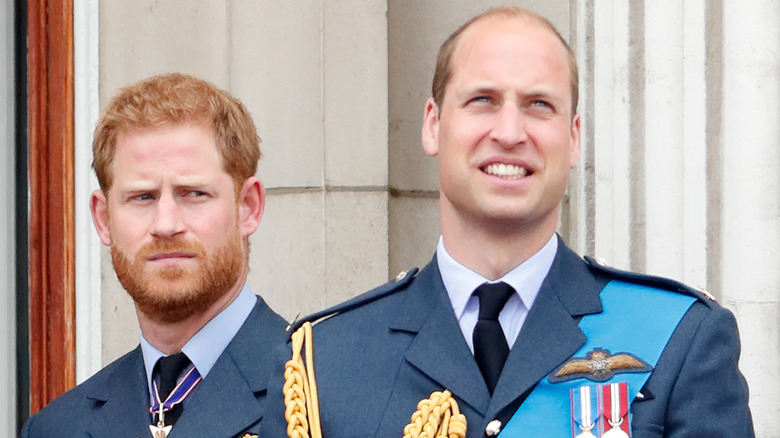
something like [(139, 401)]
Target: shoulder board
[(400, 282), (648, 280)]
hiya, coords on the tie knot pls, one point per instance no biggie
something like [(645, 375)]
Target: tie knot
[(170, 367), (492, 298)]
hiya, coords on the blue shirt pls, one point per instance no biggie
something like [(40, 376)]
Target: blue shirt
[(526, 279), (205, 347)]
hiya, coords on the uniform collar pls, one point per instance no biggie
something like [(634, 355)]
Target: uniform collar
[(205, 347), (526, 278)]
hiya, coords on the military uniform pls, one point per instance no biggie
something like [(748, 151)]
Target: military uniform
[(377, 355), (240, 397)]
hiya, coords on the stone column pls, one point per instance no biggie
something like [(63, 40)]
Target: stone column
[(750, 209), (680, 114)]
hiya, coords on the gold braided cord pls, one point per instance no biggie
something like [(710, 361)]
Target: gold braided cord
[(300, 389), (437, 417)]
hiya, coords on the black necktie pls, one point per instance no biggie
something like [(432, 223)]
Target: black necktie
[(490, 347), (169, 369)]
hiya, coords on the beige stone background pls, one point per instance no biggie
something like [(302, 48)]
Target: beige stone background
[(680, 131)]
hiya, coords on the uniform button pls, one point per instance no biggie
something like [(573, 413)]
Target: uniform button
[(493, 428), (401, 275)]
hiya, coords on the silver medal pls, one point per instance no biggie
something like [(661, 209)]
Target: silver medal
[(615, 432), (160, 430)]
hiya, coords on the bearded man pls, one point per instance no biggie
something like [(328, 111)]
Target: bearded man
[(176, 159)]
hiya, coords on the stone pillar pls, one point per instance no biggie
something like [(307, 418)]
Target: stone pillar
[(680, 110), (750, 208), (643, 111)]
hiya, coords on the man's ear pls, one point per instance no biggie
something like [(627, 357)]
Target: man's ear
[(98, 205), (251, 202), (430, 128), (574, 158)]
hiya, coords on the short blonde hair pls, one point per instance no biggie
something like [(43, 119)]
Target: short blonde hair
[(174, 99)]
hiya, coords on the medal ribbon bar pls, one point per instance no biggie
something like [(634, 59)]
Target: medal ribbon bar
[(614, 400), (584, 412)]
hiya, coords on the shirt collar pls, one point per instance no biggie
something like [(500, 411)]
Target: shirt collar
[(205, 347), (526, 278)]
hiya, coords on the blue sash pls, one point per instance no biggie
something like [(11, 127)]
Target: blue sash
[(636, 319)]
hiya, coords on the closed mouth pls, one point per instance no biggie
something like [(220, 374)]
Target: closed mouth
[(170, 255)]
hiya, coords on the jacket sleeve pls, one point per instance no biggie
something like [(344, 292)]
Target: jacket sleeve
[(710, 395)]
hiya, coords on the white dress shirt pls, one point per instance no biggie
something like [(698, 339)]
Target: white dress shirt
[(526, 279)]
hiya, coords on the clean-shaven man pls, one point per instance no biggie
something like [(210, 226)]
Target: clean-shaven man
[(530, 339)]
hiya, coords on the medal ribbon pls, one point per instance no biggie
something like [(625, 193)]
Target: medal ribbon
[(179, 393), (615, 405), (584, 409)]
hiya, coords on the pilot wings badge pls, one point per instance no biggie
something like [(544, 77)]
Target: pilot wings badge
[(599, 365)]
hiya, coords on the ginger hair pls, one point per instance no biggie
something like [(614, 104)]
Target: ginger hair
[(171, 100)]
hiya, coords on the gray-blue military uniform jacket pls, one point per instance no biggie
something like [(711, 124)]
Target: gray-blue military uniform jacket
[(379, 354), (241, 396)]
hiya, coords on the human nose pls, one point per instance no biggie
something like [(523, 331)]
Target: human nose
[(509, 128), (167, 218)]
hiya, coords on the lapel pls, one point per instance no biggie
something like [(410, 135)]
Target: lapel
[(550, 334), (226, 401), (438, 349), (120, 399)]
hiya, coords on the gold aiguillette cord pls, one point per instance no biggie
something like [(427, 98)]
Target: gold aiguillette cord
[(437, 416), (300, 389)]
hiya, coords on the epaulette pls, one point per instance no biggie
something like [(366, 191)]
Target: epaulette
[(599, 265), (400, 282)]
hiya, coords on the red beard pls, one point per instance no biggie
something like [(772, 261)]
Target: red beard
[(174, 293)]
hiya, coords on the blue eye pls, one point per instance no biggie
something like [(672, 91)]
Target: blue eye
[(140, 198), (196, 194)]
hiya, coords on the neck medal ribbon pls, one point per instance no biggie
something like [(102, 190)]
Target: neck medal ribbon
[(179, 393)]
